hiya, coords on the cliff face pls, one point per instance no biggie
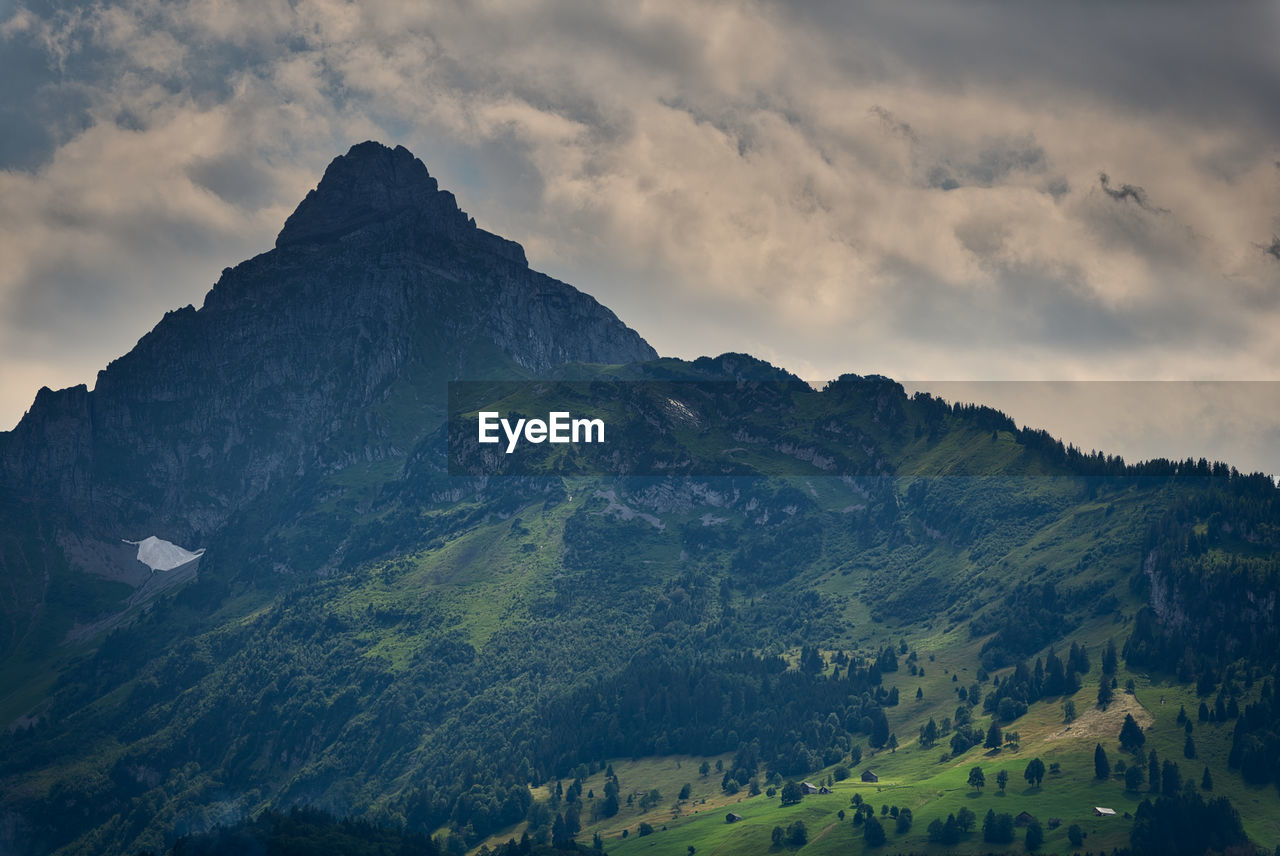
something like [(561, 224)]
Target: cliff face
[(332, 347)]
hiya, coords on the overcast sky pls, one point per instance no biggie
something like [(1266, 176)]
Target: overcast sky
[(956, 191)]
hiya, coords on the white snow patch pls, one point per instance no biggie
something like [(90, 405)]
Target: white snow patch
[(161, 555)]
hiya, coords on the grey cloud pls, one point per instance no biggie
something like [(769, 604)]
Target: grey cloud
[(235, 179), (1176, 259), (1273, 249), (1202, 60), (1001, 157), (38, 108), (1025, 308), (941, 178), (893, 124), (994, 161), (1128, 191), (1028, 308)]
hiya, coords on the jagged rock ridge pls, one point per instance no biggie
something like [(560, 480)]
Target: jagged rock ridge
[(372, 185)]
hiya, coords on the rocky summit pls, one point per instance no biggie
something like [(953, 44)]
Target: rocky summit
[(372, 186)]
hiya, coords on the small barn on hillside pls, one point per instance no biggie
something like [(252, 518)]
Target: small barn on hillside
[(732, 817), (868, 776)]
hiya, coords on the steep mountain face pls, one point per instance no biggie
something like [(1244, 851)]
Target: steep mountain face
[(332, 348)]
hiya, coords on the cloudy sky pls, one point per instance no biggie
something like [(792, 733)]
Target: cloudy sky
[(949, 190)]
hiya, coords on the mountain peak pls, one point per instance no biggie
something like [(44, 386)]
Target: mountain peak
[(373, 183)]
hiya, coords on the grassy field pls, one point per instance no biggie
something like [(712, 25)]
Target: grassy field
[(917, 778)]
